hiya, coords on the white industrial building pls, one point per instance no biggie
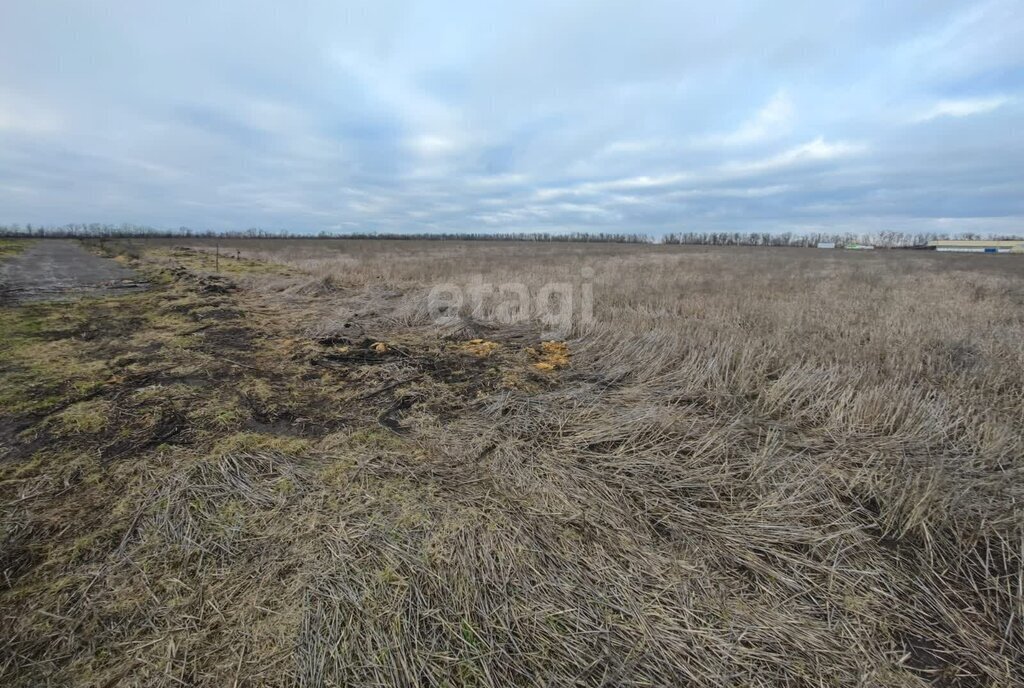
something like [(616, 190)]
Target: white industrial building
[(978, 245)]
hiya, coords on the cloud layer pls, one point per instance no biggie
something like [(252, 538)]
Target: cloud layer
[(551, 116)]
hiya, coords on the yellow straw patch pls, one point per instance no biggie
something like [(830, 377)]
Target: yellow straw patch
[(479, 347), (551, 356)]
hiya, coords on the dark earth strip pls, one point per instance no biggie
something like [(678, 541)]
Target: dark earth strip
[(52, 269)]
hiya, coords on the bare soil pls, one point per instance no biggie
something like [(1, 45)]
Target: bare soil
[(54, 269)]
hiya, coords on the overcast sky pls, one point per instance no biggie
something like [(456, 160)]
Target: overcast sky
[(645, 116)]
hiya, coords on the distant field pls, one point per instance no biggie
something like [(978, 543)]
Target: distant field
[(355, 463)]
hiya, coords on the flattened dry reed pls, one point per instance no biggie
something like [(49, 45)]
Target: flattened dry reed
[(761, 468)]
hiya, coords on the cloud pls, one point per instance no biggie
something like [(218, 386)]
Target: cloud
[(21, 115), (733, 192), (817, 150), (401, 115), (770, 122), (962, 108), (429, 145), (641, 183)]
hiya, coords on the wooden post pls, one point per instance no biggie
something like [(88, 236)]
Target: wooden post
[(217, 269)]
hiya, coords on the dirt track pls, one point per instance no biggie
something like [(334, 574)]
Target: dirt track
[(59, 269)]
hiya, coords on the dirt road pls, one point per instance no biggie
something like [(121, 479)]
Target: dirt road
[(56, 269)]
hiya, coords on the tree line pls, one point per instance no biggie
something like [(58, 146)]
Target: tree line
[(883, 239), (128, 231)]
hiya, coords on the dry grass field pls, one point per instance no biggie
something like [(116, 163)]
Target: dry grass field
[(751, 467)]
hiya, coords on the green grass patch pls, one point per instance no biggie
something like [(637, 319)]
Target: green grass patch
[(84, 417), (12, 247)]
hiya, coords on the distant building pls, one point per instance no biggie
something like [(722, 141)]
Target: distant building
[(978, 246), (826, 244), (859, 247)]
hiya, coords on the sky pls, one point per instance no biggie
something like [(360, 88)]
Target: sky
[(583, 115)]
